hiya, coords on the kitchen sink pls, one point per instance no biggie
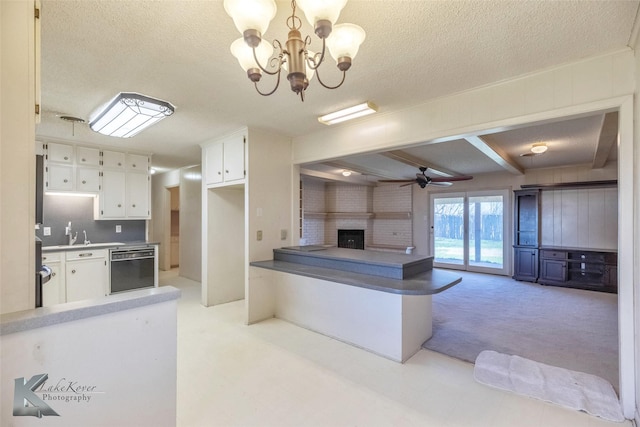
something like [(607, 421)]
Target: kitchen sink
[(80, 246)]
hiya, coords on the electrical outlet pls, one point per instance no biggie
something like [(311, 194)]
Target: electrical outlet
[(118, 229), (283, 234), (259, 235), (46, 231)]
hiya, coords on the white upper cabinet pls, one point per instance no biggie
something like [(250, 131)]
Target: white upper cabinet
[(86, 156), (113, 159), (225, 161), (59, 177), (60, 153), (136, 162), (137, 195)]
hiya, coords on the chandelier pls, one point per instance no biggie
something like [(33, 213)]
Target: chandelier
[(256, 56)]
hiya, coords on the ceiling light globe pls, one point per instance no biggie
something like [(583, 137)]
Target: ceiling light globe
[(244, 54), (539, 148), (251, 14), (321, 10), (346, 173), (345, 40)]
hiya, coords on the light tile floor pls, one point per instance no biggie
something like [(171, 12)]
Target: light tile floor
[(276, 374)]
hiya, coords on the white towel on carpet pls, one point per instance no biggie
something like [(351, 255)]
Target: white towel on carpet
[(576, 390)]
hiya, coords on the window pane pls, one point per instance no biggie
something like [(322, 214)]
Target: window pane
[(486, 231), (448, 230)]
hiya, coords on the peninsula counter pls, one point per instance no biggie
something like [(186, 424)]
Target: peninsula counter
[(355, 296)]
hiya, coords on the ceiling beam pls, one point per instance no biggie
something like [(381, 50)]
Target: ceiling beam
[(417, 162), (608, 137), (495, 153)]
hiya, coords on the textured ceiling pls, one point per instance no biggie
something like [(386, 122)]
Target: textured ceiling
[(179, 51)]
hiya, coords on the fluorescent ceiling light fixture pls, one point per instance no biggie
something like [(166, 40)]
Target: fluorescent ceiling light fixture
[(349, 113), (130, 113), (539, 148)]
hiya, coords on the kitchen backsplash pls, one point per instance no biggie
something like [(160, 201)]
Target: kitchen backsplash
[(59, 210)]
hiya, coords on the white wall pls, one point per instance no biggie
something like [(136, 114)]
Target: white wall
[(273, 193), (17, 157), (636, 204), (128, 356), (190, 223), (600, 84)]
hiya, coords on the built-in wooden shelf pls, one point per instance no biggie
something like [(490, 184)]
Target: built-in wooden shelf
[(350, 215), (358, 215), (393, 215)]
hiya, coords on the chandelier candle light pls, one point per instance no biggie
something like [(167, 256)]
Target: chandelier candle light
[(252, 18)]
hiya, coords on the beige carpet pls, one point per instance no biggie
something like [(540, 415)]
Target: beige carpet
[(568, 328)]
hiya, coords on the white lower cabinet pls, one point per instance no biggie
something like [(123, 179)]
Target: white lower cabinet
[(54, 291), (79, 275)]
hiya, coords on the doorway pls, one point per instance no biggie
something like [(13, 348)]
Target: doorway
[(175, 227), (469, 231)]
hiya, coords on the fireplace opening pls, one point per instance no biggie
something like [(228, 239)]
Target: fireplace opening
[(352, 239)]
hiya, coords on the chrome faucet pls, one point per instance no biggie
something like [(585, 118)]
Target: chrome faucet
[(72, 238), (86, 241)]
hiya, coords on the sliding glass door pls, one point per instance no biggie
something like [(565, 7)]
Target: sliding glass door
[(469, 231)]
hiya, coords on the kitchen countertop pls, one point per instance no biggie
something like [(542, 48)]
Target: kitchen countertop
[(106, 245), (46, 316), (381, 271)]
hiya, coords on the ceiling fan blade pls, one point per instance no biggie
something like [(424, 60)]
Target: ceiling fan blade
[(397, 180), (409, 183), (452, 178), (440, 183)]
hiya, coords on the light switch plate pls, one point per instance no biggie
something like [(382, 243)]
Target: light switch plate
[(259, 235), (283, 234), (46, 231)]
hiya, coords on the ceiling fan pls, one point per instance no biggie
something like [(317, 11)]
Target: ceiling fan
[(423, 180)]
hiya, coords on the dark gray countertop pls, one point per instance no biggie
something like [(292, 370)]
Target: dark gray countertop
[(426, 283), (62, 313), (572, 249)]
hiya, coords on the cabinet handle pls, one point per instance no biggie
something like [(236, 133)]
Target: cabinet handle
[(226, 171), (66, 158), (119, 164), (73, 272), (65, 181), (219, 173), (133, 165), (84, 182), (119, 205), (44, 258), (84, 160), (53, 274), (86, 254)]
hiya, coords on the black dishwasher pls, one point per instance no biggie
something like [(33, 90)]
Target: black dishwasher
[(132, 268)]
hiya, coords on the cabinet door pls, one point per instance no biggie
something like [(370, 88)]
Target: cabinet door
[(113, 160), (86, 156), (213, 155), (60, 153), (112, 196), (59, 177), (88, 179), (233, 159), (86, 279), (137, 195), (552, 270), (525, 264), (136, 162), (54, 292)]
